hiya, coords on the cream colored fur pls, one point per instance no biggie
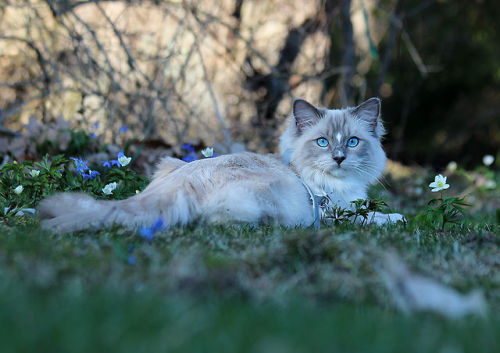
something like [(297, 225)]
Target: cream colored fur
[(243, 187)]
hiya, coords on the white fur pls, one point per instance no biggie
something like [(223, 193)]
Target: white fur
[(321, 173)]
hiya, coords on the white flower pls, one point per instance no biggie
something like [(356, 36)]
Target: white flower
[(208, 152), (19, 189), (34, 173), (490, 184), (439, 183), (124, 160), (108, 189), (452, 166), (19, 212), (488, 160)]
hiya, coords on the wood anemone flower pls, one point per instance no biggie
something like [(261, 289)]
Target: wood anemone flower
[(439, 183)]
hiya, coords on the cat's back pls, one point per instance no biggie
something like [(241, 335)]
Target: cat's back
[(241, 165), (241, 187)]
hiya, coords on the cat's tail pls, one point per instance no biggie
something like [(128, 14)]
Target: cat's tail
[(68, 212)]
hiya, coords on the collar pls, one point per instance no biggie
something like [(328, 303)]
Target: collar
[(316, 200)]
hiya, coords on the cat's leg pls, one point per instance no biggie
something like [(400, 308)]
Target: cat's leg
[(383, 218), (328, 214)]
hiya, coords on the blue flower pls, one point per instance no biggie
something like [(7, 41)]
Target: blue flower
[(148, 232), (80, 165), (110, 163), (159, 225), (190, 157), (131, 260), (95, 126), (123, 128), (187, 147), (93, 136), (91, 175)]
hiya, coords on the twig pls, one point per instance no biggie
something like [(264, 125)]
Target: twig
[(227, 137), (417, 59)]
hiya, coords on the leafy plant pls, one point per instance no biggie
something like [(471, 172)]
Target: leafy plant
[(23, 184), (442, 210), (361, 210)]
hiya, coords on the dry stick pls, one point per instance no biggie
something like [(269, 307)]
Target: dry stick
[(320, 76), (131, 60), (110, 72), (164, 94), (417, 59), (396, 25), (182, 71), (114, 83), (180, 77), (225, 131), (42, 62), (214, 100), (348, 59), (236, 33)]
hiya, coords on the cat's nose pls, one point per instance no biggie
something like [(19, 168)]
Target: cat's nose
[(339, 159)]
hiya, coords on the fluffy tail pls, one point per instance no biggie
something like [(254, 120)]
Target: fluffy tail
[(68, 212)]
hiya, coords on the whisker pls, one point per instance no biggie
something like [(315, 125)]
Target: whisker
[(368, 172)]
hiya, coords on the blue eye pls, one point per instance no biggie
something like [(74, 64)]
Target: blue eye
[(353, 142), (322, 142)]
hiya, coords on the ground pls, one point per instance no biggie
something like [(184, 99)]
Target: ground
[(250, 289)]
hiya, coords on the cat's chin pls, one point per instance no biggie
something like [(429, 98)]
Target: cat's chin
[(338, 172)]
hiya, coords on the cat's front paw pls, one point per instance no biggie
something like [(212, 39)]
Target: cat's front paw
[(384, 218)]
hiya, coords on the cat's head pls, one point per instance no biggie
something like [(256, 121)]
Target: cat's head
[(335, 149)]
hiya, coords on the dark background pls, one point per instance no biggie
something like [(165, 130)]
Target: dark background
[(435, 64)]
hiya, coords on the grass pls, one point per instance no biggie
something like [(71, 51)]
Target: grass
[(238, 289), (74, 320), (243, 289)]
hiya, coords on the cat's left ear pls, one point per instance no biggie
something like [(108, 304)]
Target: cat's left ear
[(369, 111)]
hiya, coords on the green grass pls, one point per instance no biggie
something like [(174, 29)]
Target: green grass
[(238, 289), (77, 320)]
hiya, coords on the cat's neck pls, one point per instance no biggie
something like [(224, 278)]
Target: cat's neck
[(341, 190)]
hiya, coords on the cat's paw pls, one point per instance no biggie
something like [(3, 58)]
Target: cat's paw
[(384, 218)]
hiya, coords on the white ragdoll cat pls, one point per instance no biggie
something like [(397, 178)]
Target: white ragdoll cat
[(323, 152)]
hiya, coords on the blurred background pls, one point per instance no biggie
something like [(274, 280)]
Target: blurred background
[(224, 73)]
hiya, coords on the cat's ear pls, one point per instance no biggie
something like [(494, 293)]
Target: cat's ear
[(369, 111), (305, 114)]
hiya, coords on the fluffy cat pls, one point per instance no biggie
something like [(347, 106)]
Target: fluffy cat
[(335, 153)]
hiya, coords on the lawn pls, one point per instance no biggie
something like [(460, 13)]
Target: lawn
[(248, 289)]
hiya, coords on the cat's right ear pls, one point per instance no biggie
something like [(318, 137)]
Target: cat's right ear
[(305, 114)]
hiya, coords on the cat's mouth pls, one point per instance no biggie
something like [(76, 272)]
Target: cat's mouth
[(338, 170)]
